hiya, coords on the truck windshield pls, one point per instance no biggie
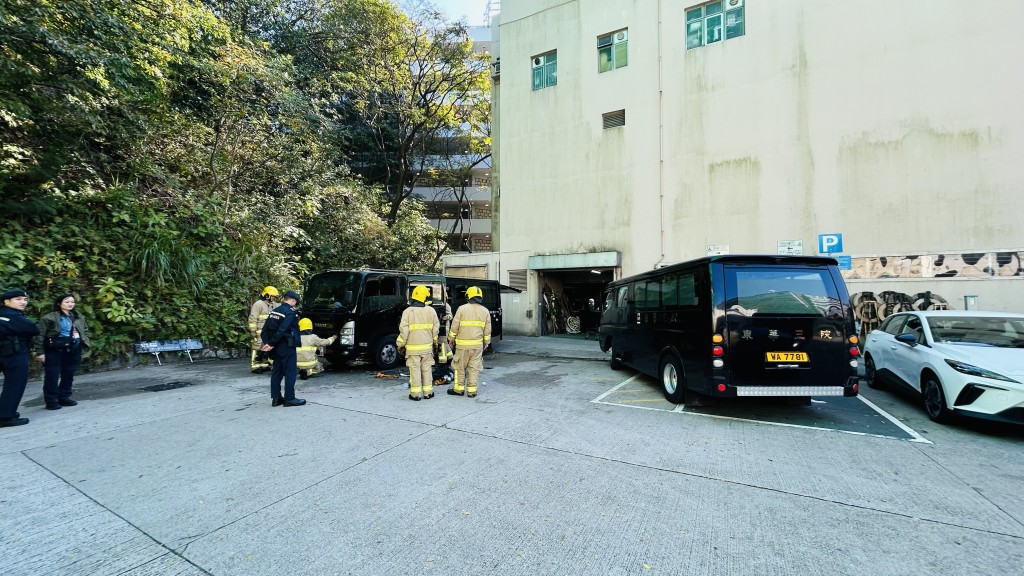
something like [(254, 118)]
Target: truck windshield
[(332, 290)]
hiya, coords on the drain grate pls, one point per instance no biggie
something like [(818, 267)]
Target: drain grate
[(166, 386)]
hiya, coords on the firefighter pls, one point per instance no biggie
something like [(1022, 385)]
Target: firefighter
[(470, 334), (260, 362), (417, 339), (308, 362)]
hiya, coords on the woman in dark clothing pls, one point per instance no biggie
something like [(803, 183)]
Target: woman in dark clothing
[(62, 335)]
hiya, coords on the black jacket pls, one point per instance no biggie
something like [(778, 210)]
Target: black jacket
[(16, 332), (282, 328)]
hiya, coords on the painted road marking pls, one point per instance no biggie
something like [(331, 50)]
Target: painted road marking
[(891, 418), (681, 409)]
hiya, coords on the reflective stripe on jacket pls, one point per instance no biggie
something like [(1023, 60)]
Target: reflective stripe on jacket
[(258, 315), (306, 354), (471, 327), (418, 329)]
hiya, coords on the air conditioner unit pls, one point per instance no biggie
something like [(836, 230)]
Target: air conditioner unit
[(732, 4), (538, 61), (620, 36)]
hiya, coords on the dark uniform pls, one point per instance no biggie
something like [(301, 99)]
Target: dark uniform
[(281, 331), (16, 333)]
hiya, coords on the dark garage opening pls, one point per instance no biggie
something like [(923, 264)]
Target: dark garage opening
[(570, 300)]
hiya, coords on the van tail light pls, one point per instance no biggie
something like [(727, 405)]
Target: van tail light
[(718, 351), (854, 351), (853, 340)]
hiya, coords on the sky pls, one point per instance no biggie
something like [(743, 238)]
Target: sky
[(473, 10)]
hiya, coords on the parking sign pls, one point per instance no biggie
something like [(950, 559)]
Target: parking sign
[(830, 243)]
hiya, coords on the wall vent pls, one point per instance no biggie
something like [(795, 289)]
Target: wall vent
[(614, 119), (517, 279)]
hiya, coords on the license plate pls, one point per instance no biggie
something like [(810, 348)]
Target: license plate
[(786, 356)]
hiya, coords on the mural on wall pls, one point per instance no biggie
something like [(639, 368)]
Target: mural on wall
[(968, 265), (870, 308)]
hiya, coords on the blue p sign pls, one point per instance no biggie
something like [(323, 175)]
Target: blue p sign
[(830, 243)]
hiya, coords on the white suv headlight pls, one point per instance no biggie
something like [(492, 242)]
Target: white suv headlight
[(972, 370)]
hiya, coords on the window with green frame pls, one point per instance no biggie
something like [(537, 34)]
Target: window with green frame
[(714, 22), (612, 51), (545, 70)]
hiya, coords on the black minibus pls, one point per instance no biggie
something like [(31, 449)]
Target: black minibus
[(734, 325)]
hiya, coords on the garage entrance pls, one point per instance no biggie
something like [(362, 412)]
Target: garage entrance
[(571, 300)]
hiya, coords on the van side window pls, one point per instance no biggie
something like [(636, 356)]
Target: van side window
[(688, 290), (622, 300), (648, 295), (679, 290)]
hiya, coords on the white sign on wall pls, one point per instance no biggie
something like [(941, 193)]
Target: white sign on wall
[(791, 247), (717, 249)]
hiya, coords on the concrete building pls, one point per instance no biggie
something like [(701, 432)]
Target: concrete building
[(457, 188), (630, 134)]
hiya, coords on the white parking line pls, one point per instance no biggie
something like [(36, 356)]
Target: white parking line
[(680, 408), (891, 418), (601, 397)]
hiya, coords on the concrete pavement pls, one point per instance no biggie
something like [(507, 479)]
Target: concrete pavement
[(201, 476)]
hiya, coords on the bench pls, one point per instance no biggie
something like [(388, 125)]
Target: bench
[(155, 347)]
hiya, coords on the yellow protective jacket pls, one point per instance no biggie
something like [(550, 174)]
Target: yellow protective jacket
[(471, 327), (258, 316), (417, 332), (306, 353)]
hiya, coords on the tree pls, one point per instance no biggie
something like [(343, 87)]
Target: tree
[(409, 81)]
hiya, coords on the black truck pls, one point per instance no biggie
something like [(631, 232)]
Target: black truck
[(364, 308)]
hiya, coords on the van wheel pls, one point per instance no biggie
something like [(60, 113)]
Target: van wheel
[(385, 353), (614, 362), (673, 382)]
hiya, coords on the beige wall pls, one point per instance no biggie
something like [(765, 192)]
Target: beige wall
[(896, 124)]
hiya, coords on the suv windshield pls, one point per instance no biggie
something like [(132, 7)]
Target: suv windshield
[(332, 290), (987, 331), (781, 292)]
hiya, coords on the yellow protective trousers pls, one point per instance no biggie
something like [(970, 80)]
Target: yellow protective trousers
[(467, 365), (421, 377)]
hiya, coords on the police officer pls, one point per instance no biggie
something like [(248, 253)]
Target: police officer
[(417, 339), (258, 314), (470, 334), (16, 333), (281, 335)]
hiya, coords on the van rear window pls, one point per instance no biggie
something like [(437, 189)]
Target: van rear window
[(780, 291)]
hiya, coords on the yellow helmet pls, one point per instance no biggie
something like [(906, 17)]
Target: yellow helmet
[(474, 292), (305, 324), (270, 291), (421, 293)]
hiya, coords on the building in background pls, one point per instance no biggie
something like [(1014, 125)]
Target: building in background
[(457, 186), (629, 136)]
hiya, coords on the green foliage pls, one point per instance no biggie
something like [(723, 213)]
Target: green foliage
[(163, 160)]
